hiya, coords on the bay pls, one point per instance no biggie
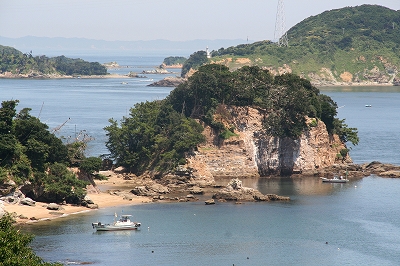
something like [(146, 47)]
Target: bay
[(324, 224)]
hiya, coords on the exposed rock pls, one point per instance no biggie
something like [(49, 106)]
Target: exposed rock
[(156, 71), (93, 206), (234, 191), (2, 211), (28, 201), (53, 206), (396, 81), (168, 82), (7, 187), (393, 174), (152, 189), (23, 217), (196, 190), (111, 65), (252, 153), (120, 170), (210, 202), (88, 200)]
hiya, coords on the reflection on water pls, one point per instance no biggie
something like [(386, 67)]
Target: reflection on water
[(361, 89), (308, 185)]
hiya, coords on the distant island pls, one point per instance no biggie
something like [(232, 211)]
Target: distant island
[(348, 46), (15, 64)]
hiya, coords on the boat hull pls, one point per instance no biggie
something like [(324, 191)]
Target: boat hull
[(115, 228), (334, 180)]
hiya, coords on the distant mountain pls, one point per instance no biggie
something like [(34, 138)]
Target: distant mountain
[(349, 45), (67, 46)]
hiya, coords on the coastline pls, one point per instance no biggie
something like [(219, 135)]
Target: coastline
[(9, 75), (104, 197)]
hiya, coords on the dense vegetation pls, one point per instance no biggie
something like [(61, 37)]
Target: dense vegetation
[(174, 60), (30, 152), (157, 134), (351, 39), (14, 246), (195, 60), (16, 62)]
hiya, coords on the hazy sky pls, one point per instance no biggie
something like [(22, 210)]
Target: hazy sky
[(176, 20)]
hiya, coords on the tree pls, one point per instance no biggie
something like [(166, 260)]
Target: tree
[(195, 60), (154, 136), (8, 142), (91, 165), (14, 246)]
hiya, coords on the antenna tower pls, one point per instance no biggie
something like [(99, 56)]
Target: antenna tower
[(280, 28)]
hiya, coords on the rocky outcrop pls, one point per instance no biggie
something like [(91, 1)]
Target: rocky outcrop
[(234, 191), (252, 153), (360, 170), (150, 190), (168, 82), (396, 81), (156, 71), (7, 187)]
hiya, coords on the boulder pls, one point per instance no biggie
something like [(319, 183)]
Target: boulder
[(7, 187), (196, 190), (235, 191), (210, 202), (93, 206), (53, 206), (28, 201), (158, 188)]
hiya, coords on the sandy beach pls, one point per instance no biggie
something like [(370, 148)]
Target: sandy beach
[(104, 197)]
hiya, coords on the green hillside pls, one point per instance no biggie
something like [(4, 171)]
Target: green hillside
[(352, 44), (26, 65)]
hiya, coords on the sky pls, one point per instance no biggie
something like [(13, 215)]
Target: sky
[(175, 20)]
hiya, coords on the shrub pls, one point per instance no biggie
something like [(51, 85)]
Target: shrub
[(14, 246)]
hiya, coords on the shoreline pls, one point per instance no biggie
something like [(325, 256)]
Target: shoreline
[(19, 76), (106, 198), (116, 76)]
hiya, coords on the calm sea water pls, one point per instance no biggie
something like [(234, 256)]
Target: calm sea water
[(324, 224)]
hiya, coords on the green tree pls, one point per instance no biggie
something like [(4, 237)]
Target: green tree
[(60, 185), (14, 246), (195, 60), (91, 165)]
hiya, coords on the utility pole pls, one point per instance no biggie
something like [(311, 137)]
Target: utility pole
[(280, 28)]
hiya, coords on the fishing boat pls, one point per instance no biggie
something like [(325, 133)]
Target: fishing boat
[(335, 179), (123, 223)]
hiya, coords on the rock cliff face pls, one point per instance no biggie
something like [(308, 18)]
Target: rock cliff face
[(252, 153)]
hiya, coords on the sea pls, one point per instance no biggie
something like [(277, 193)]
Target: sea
[(357, 223)]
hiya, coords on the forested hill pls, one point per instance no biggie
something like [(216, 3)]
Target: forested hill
[(14, 63), (351, 45)]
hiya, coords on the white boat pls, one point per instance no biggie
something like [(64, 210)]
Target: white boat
[(335, 179), (124, 223)]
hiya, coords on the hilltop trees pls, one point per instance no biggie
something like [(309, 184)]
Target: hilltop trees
[(14, 61), (362, 40)]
